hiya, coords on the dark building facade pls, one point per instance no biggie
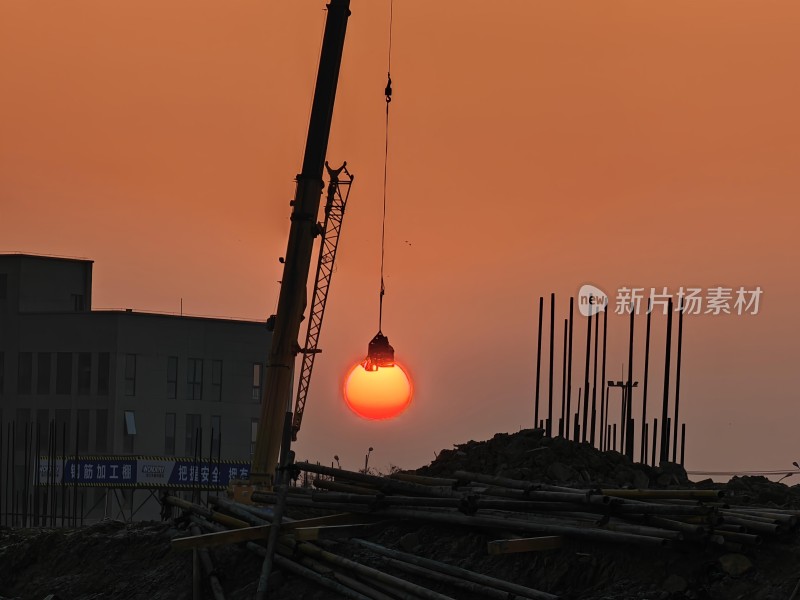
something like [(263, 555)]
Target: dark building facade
[(121, 382)]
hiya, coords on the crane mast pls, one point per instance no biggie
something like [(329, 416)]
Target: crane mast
[(275, 407)]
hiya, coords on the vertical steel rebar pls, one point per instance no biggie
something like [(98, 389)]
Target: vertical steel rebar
[(550, 382), (645, 442), (36, 494), (623, 417), (593, 416), (664, 455), (210, 462), (586, 378), (603, 389), (629, 436), (53, 489), (12, 438), (538, 362), (677, 381), (569, 368), (63, 470), (46, 490), (608, 393), (646, 368), (195, 476), (76, 476), (286, 461), (3, 474), (576, 427), (669, 436), (26, 481), (683, 442), (655, 431), (561, 421)]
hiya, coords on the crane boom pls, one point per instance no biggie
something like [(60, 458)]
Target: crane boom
[(303, 230), (338, 193)]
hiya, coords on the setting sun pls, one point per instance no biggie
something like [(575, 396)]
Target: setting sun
[(380, 394)]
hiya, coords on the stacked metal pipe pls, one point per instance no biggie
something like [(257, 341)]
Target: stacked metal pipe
[(515, 508)]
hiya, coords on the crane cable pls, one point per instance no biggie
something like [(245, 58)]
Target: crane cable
[(388, 93)]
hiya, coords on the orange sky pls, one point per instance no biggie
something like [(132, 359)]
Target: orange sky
[(535, 146)]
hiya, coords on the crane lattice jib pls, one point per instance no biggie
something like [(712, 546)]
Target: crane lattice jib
[(338, 193)]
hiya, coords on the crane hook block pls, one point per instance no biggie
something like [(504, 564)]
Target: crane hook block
[(379, 353), (388, 90)]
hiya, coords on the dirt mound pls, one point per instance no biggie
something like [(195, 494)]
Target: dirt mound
[(531, 456), (762, 491), (106, 560)]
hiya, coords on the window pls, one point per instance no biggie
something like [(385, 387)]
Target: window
[(3, 286), (101, 427), (20, 427), (130, 431), (193, 425), (103, 373), (2, 372), (25, 373), (64, 373), (83, 430), (253, 435), (195, 379), (257, 381), (172, 377), (130, 374), (216, 429), (44, 360), (169, 434), (42, 428), (84, 373), (216, 380)]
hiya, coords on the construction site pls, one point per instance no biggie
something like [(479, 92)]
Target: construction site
[(517, 516), (589, 499)]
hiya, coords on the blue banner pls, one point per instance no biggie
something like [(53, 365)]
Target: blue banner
[(141, 471)]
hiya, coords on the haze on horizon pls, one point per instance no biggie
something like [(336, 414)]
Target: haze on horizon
[(535, 147)]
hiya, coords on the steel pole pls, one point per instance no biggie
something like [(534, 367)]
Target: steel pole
[(569, 367), (550, 382), (677, 382), (586, 377), (561, 426), (603, 392), (538, 362), (644, 391), (629, 397), (664, 455)]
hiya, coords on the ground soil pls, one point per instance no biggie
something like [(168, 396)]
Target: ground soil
[(131, 561)]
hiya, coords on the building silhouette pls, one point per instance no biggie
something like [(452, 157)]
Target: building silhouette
[(120, 381)]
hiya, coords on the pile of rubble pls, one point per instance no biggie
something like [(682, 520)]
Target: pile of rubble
[(532, 456)]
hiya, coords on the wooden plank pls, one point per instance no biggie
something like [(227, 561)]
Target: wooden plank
[(424, 480), (328, 520), (664, 494), (534, 544), (333, 532), (259, 532), (221, 538)]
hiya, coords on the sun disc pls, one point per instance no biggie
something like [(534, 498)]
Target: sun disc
[(381, 394)]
